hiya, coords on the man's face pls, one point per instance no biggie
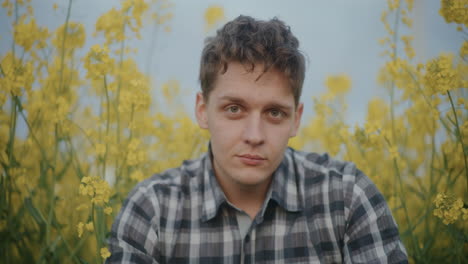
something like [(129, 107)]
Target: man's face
[(250, 122)]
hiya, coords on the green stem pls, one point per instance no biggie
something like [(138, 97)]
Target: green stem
[(84, 133), (96, 232), (392, 84), (30, 129), (62, 58), (77, 248), (107, 127), (117, 102), (51, 191), (460, 139), (405, 208), (75, 158), (431, 188), (8, 183), (11, 140)]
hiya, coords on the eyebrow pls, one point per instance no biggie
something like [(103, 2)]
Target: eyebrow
[(242, 101)]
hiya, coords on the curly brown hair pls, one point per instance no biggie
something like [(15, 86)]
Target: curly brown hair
[(253, 42)]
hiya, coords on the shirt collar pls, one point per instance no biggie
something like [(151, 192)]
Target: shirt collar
[(285, 188), (213, 196)]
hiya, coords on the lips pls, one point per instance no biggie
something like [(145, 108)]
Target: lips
[(251, 159)]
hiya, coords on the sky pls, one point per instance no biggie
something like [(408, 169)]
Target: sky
[(337, 36)]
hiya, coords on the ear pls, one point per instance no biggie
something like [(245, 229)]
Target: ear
[(297, 119), (200, 111)]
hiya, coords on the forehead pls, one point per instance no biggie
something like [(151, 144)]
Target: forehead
[(242, 80)]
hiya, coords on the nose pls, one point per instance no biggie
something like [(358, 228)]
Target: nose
[(254, 131)]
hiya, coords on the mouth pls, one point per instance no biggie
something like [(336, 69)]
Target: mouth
[(251, 160)]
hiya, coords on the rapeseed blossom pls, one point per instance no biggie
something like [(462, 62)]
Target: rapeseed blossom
[(449, 208), (97, 189), (80, 227), (108, 210), (105, 253), (213, 15), (17, 76), (27, 34), (454, 11), (98, 62), (89, 226), (74, 38), (440, 75)]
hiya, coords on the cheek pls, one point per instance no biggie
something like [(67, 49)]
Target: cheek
[(224, 132), (278, 134)]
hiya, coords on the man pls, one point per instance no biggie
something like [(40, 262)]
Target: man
[(251, 199)]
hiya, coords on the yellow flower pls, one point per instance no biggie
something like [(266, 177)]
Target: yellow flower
[(134, 143), (137, 175), (27, 34), (448, 208), (17, 75), (338, 84), (454, 11), (441, 76), (90, 227), (97, 189), (464, 128), (86, 179), (105, 253), (407, 42), (461, 101), (74, 34), (62, 108), (82, 207), (439, 199), (465, 214), (393, 150), (171, 90), (98, 62), (80, 228), (464, 49), (213, 15), (100, 149), (108, 210)]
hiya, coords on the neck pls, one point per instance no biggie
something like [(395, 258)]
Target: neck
[(249, 199)]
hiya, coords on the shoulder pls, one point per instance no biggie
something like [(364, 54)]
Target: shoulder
[(161, 194), (331, 176), (311, 163), (176, 182)]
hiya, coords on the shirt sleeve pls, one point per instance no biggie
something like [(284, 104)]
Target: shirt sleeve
[(134, 234), (371, 234)]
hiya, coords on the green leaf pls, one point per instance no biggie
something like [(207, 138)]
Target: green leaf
[(83, 261), (36, 214)]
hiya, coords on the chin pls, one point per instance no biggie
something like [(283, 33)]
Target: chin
[(252, 180)]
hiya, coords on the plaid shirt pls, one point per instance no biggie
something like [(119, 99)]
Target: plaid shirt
[(317, 210)]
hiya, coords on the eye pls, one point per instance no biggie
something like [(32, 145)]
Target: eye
[(277, 114), (233, 109)]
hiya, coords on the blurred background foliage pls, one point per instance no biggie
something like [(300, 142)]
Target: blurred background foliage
[(79, 127)]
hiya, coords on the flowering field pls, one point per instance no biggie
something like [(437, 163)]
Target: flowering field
[(79, 128)]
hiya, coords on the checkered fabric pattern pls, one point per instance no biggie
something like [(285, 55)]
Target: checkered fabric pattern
[(318, 210)]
